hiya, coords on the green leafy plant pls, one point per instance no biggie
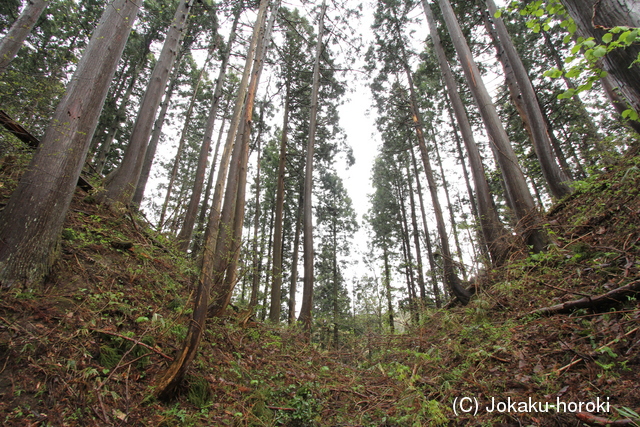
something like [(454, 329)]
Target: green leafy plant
[(586, 53)]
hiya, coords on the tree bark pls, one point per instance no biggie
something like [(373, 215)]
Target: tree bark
[(594, 17), (307, 291), (31, 221), (19, 31), (121, 183)]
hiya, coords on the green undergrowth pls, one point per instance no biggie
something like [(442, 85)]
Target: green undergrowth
[(86, 348)]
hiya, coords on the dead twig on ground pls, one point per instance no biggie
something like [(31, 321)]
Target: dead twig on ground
[(156, 351), (594, 420)]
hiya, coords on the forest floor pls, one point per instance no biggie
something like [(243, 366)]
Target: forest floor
[(85, 348)]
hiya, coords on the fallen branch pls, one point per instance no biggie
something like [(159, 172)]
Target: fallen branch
[(280, 408), (16, 129), (593, 420), (611, 297), (133, 340)]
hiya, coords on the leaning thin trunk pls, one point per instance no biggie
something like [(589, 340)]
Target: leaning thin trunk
[(20, 29), (430, 257), (179, 151), (556, 178), (190, 216), (451, 279), (121, 183), (155, 135)]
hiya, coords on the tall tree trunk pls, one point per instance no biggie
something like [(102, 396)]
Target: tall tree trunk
[(495, 235), (267, 279), (178, 157), (556, 178), (232, 215), (307, 291), (432, 261), (177, 370), (19, 30), (213, 223), (406, 251), (387, 288), (479, 236), (293, 284), (452, 218), (593, 18), (334, 273), (529, 223), (451, 279), (256, 258), (276, 287), (31, 222), (204, 209), (155, 135), (190, 216), (121, 183), (416, 236)]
